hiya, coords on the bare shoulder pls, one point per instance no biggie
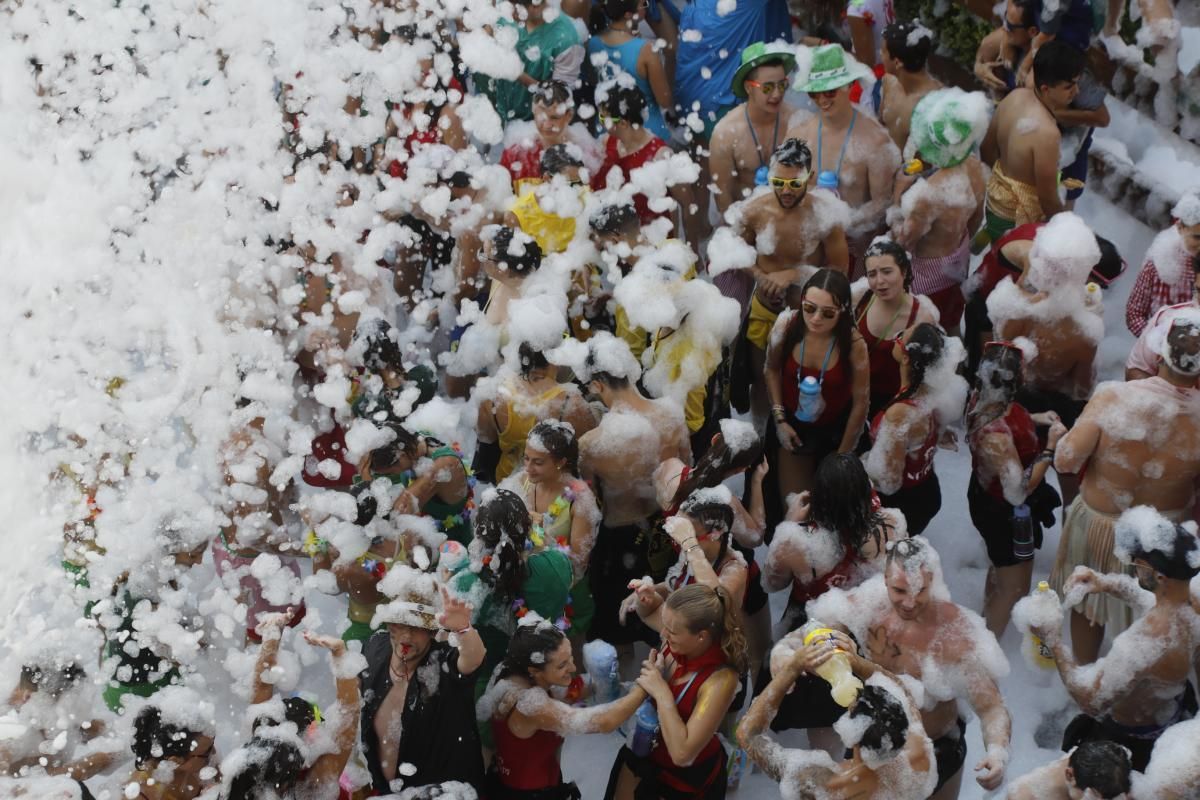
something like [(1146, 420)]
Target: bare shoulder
[(728, 129), (873, 130), (900, 413), (802, 125)]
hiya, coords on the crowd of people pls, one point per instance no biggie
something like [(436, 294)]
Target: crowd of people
[(565, 436)]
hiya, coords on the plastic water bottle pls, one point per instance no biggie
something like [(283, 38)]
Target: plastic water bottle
[(1022, 529), (1092, 298), (843, 685), (811, 403), (600, 659), (1041, 655), (736, 767), (828, 179), (645, 728)]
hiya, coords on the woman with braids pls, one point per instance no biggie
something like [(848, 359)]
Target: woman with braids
[(819, 342), (520, 400), (907, 431), (885, 310), (562, 508), (704, 654), (1008, 496), (836, 536), (527, 722)]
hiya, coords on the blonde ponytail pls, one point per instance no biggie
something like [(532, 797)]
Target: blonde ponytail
[(704, 608)]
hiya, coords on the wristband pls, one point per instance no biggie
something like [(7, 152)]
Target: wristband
[(690, 549), (462, 632)]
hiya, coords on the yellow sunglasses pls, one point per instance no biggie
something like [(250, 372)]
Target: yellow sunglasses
[(795, 184)]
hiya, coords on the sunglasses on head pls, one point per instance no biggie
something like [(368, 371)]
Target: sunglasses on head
[(795, 184), (768, 87), (828, 94), (810, 309)]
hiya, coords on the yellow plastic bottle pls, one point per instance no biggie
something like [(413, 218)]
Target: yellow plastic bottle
[(844, 687), (1042, 655)]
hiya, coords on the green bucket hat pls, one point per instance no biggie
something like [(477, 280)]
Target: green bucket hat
[(755, 56), (831, 69), (947, 125)]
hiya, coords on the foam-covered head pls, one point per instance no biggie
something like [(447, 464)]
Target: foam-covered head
[(1063, 253), (610, 361), (1171, 549), (711, 508), (1180, 345), (413, 598), (876, 723), (1187, 210), (792, 153), (555, 438), (947, 125), (537, 649), (913, 575)]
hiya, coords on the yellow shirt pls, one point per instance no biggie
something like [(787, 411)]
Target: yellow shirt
[(552, 232)]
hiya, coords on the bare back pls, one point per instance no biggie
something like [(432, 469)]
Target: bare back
[(1024, 130)]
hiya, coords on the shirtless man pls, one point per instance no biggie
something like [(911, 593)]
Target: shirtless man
[(939, 212), (908, 625), (1023, 142), (793, 231), (618, 457), (852, 148), (906, 47), (899, 761), (1140, 445), (1101, 768), (1140, 687)]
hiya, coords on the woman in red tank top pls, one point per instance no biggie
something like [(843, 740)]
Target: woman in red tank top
[(1008, 467), (528, 725), (905, 434), (692, 684), (628, 145), (883, 312), (819, 342)]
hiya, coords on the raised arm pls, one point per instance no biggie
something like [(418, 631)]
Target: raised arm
[(685, 740), (456, 618), (270, 629), (327, 769), (535, 710)]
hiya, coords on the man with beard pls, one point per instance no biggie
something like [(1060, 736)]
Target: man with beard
[(793, 231), (1139, 443), (1141, 687)]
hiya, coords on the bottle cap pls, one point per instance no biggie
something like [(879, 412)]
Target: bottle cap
[(827, 179)]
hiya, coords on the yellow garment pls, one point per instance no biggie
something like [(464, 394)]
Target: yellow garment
[(1012, 199), (635, 337), (512, 438), (552, 232), (673, 349), (762, 319)]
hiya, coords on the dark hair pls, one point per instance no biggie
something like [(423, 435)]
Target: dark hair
[(792, 153), (625, 103), (777, 61), (841, 502), (889, 724), (502, 526), (884, 246), (560, 442), (404, 442), (1029, 11), (530, 358), (1173, 558), (904, 551), (1110, 266), (924, 348), (717, 463), (615, 218), (836, 283), (380, 350), (1000, 371), (1057, 62), (558, 158), (51, 680), (529, 648), (551, 93), (1103, 767), (457, 179), (296, 710), (912, 51), (521, 263), (713, 516), (605, 12), (1182, 345), (273, 764), (154, 739), (367, 505)]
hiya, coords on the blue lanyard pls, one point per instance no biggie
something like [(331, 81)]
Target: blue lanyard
[(846, 141), (824, 364), (760, 174)]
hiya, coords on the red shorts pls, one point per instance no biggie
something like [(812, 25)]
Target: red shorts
[(950, 304)]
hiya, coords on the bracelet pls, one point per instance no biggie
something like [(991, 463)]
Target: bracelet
[(462, 632), (690, 549), (1047, 452)]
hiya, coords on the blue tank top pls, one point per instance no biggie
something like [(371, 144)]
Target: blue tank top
[(624, 58)]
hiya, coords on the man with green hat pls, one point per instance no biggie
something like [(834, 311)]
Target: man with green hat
[(943, 204), (853, 154)]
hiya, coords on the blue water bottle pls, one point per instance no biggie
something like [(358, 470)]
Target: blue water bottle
[(641, 738), (811, 404), (828, 179), (1022, 528)]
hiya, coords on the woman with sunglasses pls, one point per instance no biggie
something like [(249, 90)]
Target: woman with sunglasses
[(1007, 495), (616, 48), (818, 380), (884, 312)]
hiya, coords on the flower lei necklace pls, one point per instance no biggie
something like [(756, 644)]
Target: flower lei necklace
[(561, 505)]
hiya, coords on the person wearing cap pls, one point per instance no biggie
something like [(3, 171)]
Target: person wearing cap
[(855, 157), (1136, 443), (905, 55), (943, 208), (1141, 686), (1168, 277), (418, 688)]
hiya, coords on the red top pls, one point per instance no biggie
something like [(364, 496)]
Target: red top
[(628, 164), (885, 370), (994, 267), (1017, 424), (838, 576), (918, 464), (836, 390), (432, 135), (522, 161), (526, 764), (704, 666)]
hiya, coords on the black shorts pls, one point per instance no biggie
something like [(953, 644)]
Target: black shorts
[(919, 504), (706, 779), (619, 556), (810, 704), (950, 753), (1140, 743), (496, 790), (756, 595), (1037, 401), (993, 519)]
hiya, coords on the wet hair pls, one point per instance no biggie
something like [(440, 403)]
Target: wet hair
[(552, 93), (1057, 62), (998, 376), (273, 764), (717, 463), (1173, 554), (380, 350), (502, 526), (924, 348), (889, 724), (530, 648), (1103, 767), (837, 285), (713, 515), (619, 218), (403, 443), (530, 358), (704, 608), (522, 263), (154, 740), (841, 502), (366, 504), (458, 179), (625, 103), (792, 153), (1181, 346), (904, 551), (558, 158), (885, 246), (296, 710), (560, 443), (51, 680), (912, 50)]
